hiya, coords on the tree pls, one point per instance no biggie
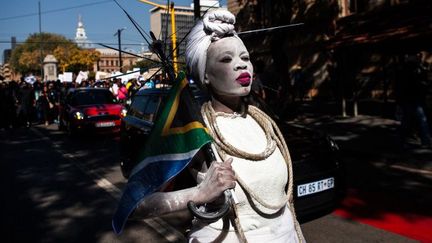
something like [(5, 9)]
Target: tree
[(144, 64), (83, 60), (26, 58), (63, 54), (74, 59)]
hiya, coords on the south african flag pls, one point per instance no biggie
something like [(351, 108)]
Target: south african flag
[(176, 137)]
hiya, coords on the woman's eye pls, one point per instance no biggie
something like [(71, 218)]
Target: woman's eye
[(245, 58), (226, 59)]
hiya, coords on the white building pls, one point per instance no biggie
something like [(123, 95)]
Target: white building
[(80, 36)]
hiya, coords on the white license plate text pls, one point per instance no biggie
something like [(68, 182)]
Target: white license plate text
[(314, 187)]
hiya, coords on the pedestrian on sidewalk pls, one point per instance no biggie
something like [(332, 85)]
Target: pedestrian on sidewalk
[(411, 87), (42, 105), (26, 104)]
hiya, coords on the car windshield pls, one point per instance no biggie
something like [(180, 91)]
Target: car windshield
[(92, 97), (145, 107)]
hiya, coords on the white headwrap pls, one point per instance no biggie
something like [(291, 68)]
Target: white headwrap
[(214, 26)]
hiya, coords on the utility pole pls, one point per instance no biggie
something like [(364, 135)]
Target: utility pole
[(197, 10), (40, 42), (118, 33)]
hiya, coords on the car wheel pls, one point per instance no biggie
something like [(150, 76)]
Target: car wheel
[(71, 130), (125, 172), (61, 125)]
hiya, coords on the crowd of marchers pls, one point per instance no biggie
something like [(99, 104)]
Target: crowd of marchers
[(23, 104)]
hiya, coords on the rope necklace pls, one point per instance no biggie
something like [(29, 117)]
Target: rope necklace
[(274, 138), (230, 149)]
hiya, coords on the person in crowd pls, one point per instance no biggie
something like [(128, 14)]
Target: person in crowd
[(12, 104), (115, 87), (37, 87), (63, 90), (149, 84), (74, 84), (44, 107), (252, 156), (52, 96), (91, 82), (130, 83), (26, 104), (411, 89), (84, 84), (122, 93), (132, 87), (3, 105)]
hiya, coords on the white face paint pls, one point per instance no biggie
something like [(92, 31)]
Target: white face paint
[(228, 69)]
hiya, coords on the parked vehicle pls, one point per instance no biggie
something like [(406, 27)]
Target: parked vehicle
[(90, 109), (318, 178)]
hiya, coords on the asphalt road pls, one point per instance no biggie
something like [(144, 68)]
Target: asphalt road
[(60, 189)]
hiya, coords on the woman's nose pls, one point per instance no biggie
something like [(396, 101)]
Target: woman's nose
[(240, 65)]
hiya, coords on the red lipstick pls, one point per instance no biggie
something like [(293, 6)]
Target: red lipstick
[(244, 79)]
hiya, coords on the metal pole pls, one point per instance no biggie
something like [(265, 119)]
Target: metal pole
[(197, 10), (174, 38), (119, 46), (173, 29), (40, 42), (118, 34)]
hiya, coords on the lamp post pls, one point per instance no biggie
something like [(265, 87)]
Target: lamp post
[(118, 34)]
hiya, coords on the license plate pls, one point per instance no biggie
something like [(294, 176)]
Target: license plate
[(314, 187), (105, 124)]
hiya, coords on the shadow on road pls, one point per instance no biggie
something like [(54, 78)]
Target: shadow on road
[(382, 177)]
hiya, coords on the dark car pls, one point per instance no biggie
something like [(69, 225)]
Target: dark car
[(90, 109), (318, 181)]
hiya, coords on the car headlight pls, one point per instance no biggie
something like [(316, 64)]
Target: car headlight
[(79, 115), (333, 145), (123, 112)]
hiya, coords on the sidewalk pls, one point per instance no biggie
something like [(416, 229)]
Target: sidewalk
[(388, 187), (372, 137)]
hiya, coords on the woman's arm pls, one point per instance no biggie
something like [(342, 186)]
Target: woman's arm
[(218, 178)]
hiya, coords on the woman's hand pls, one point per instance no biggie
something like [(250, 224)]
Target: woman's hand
[(218, 178)]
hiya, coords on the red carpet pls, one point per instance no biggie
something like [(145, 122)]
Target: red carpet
[(387, 215)]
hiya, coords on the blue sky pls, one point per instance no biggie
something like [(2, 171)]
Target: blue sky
[(101, 19)]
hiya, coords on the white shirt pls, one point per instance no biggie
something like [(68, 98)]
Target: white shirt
[(266, 178)]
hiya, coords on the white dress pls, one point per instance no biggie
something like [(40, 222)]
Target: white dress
[(267, 178)]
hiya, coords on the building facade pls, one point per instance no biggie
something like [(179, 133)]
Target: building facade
[(160, 23), (109, 60), (6, 71)]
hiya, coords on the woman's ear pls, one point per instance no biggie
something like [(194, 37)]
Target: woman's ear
[(206, 81)]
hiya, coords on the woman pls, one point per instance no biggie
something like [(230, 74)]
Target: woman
[(43, 106), (122, 93), (256, 162)]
